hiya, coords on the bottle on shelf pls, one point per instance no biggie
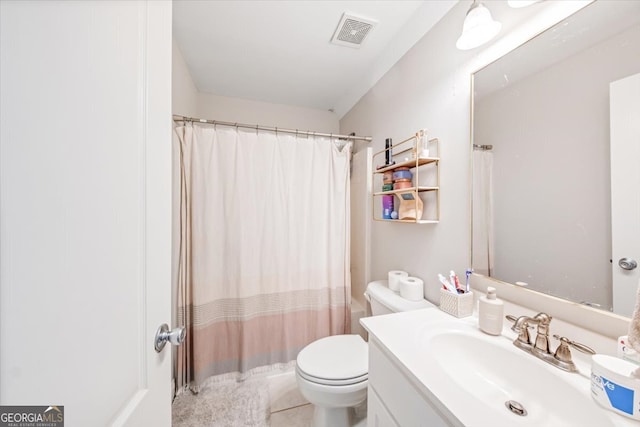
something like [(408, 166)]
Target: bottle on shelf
[(387, 155), (423, 144)]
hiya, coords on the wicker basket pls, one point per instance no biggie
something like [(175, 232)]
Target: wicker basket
[(459, 305)]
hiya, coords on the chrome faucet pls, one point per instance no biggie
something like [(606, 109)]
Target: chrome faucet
[(522, 324), (562, 356), (541, 348)]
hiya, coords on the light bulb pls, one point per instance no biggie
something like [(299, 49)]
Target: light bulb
[(478, 28)]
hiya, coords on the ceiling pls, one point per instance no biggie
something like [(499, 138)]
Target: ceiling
[(280, 51)]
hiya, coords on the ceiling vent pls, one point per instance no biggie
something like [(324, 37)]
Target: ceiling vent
[(352, 30)]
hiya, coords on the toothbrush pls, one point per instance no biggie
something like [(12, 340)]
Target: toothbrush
[(448, 286), (453, 279), (468, 274)]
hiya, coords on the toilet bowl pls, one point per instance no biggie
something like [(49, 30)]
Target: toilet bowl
[(332, 372)]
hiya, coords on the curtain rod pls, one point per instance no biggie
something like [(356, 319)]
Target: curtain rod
[(177, 118)]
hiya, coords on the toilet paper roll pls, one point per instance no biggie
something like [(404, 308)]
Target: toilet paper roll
[(394, 279), (412, 288)]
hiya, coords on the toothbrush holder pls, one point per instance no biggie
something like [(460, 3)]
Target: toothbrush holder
[(458, 305)]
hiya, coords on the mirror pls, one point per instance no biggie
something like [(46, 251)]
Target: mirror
[(541, 159)]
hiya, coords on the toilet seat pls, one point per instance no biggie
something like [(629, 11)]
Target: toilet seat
[(325, 381), (337, 360)]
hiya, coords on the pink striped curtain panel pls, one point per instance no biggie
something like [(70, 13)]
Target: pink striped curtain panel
[(264, 248)]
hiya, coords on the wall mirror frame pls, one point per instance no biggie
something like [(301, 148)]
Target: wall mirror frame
[(541, 173)]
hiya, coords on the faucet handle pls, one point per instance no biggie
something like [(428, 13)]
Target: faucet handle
[(518, 322), (543, 318), (521, 326), (564, 354), (511, 318)]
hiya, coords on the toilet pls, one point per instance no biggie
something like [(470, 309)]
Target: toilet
[(332, 372)]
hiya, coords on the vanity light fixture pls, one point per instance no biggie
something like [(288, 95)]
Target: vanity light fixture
[(478, 28)]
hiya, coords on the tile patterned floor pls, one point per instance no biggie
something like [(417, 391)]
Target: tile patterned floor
[(287, 406), (290, 409), (300, 416)]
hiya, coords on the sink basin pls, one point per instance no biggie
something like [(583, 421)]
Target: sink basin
[(489, 371), (467, 376)]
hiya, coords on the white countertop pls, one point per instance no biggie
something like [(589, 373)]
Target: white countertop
[(402, 337)]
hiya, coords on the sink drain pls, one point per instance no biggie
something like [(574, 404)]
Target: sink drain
[(515, 407)]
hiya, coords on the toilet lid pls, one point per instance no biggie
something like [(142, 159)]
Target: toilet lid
[(334, 359), (379, 290)]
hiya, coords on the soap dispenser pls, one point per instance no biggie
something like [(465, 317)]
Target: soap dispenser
[(490, 313)]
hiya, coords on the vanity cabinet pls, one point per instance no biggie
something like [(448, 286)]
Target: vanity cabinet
[(377, 414), (423, 194), (392, 399)]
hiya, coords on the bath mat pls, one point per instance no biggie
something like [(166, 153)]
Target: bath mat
[(224, 404)]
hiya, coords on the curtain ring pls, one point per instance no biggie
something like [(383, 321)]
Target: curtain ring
[(276, 130)]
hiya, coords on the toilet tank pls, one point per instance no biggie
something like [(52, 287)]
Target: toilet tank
[(384, 301)]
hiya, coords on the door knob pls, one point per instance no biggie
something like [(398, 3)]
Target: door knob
[(175, 337), (627, 263)]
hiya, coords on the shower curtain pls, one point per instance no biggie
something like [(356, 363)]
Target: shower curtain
[(482, 251), (264, 251)]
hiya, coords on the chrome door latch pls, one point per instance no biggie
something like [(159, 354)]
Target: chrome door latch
[(627, 263), (175, 337)]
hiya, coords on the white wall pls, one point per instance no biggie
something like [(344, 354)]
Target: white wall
[(360, 220), (550, 134), (184, 101), (430, 87), (246, 111), (189, 101)]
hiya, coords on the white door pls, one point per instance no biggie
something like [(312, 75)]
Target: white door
[(85, 194), (625, 191)]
